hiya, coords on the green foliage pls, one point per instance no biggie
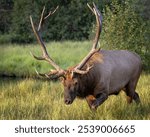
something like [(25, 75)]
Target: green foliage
[(34, 99), (6, 7), (125, 28), (5, 38), (72, 21), (20, 23)]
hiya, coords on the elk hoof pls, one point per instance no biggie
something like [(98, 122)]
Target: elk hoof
[(94, 105)]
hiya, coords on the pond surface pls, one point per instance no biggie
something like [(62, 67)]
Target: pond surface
[(12, 83), (4, 81)]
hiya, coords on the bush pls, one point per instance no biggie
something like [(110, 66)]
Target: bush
[(5, 38), (125, 28)]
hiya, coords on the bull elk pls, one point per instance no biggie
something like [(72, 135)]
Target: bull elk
[(100, 74)]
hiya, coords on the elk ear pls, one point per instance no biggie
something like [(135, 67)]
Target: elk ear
[(62, 79)]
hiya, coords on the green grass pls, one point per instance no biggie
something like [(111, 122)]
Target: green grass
[(36, 99), (39, 99), (15, 60)]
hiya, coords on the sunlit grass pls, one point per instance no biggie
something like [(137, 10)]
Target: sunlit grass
[(15, 60), (36, 99)]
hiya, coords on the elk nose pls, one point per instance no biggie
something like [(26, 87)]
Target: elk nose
[(67, 101)]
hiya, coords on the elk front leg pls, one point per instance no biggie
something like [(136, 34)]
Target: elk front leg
[(94, 102), (90, 100)]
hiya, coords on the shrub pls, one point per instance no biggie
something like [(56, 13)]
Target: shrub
[(5, 38), (125, 28)]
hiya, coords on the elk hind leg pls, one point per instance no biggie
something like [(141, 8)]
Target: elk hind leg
[(136, 97), (131, 93)]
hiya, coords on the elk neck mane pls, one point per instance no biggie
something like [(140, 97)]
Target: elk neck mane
[(88, 81)]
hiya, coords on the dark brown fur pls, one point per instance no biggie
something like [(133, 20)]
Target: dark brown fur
[(95, 86)]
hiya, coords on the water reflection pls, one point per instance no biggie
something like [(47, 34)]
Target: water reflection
[(8, 80)]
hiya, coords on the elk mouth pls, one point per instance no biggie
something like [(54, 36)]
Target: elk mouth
[(69, 100)]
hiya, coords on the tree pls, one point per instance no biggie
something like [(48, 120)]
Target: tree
[(5, 15), (72, 21)]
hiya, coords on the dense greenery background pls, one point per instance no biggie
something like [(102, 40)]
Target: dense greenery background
[(72, 21), (126, 23)]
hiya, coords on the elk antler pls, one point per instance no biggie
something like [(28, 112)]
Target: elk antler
[(78, 68), (54, 73)]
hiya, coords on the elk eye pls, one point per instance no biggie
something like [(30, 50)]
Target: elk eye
[(75, 83), (69, 87)]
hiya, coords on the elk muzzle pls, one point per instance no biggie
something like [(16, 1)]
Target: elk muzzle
[(69, 97)]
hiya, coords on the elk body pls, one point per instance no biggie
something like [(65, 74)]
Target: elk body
[(100, 74)]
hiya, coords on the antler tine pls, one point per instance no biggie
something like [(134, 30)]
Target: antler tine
[(90, 8), (41, 20), (99, 26), (53, 74), (51, 13), (85, 71), (99, 23), (45, 55), (44, 18), (93, 50), (39, 74)]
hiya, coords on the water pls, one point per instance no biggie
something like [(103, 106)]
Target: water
[(8, 80)]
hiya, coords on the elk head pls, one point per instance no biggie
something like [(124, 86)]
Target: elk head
[(70, 77)]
